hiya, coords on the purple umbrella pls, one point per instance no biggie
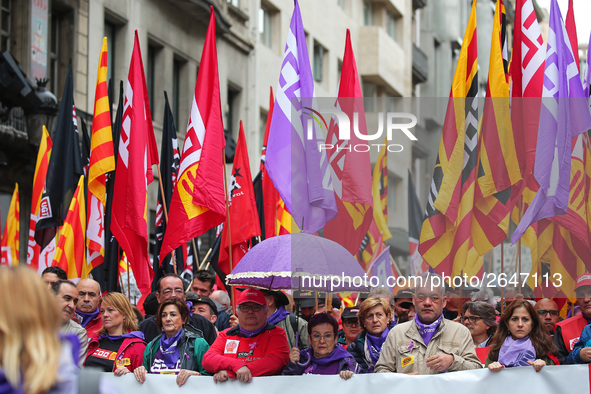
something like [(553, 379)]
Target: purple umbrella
[(299, 261)]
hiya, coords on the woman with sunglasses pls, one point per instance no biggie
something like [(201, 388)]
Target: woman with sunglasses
[(480, 318), (325, 356), (375, 316), (520, 340)]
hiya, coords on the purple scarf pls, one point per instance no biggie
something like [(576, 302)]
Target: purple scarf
[(6, 387), (169, 347), (374, 344), (517, 352), (279, 314), (86, 317), (132, 334), (427, 331), (328, 365), (245, 333)]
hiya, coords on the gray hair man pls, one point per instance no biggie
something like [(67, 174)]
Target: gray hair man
[(407, 349)]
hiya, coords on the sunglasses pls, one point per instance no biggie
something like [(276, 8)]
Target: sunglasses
[(544, 312)]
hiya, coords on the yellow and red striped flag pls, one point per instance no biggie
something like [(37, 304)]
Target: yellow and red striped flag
[(102, 161), (446, 242), (33, 249), (380, 193), (9, 245), (70, 254), (499, 177)]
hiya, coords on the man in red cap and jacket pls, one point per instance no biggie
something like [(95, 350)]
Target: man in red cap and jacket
[(252, 348)]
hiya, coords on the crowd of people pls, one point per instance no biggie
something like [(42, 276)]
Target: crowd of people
[(51, 332)]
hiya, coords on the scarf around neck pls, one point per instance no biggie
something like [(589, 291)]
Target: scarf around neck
[(248, 334), (132, 334), (86, 317), (279, 314), (427, 331), (517, 352), (374, 344), (169, 347)]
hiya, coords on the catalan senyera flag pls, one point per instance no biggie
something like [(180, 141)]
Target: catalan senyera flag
[(415, 216), (445, 242), (371, 246), (9, 247), (70, 254), (499, 174), (379, 190), (137, 152), (350, 169), (102, 161), (33, 249), (243, 219), (198, 202)]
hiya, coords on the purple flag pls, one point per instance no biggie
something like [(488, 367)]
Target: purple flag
[(298, 168), (587, 71), (563, 116), (381, 268)]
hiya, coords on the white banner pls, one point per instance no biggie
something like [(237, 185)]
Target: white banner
[(551, 380)]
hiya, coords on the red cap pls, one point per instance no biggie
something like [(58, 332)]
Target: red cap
[(252, 295), (583, 280)]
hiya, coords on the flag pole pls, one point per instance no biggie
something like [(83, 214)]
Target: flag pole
[(205, 258), (228, 218), (166, 214), (196, 252)]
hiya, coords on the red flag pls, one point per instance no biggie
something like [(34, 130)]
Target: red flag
[(351, 169), (270, 194), (571, 29), (10, 240), (33, 249), (137, 153), (198, 202), (243, 216)]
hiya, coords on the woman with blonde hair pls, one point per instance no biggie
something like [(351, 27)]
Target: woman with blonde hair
[(33, 359), (375, 317), (117, 347)]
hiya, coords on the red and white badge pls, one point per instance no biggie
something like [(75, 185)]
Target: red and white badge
[(231, 346)]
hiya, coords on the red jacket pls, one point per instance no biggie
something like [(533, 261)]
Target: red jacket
[(265, 354), (130, 354), (571, 330)]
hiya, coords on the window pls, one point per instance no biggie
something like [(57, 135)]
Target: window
[(235, 3), (339, 70), (266, 25), (368, 13), (320, 53), (391, 25), (110, 32), (53, 53), (150, 76), (262, 126), (176, 87), (370, 97), (5, 26), (341, 3)]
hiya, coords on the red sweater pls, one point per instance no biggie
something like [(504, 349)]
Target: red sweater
[(93, 326), (265, 354), (130, 354)]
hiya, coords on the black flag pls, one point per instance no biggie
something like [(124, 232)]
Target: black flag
[(64, 170)]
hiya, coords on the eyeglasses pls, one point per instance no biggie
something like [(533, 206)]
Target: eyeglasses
[(327, 337), (544, 312), (423, 297), (169, 291), (471, 319), (249, 308), (351, 323)]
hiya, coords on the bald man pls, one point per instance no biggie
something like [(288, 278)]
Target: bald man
[(87, 307), (548, 313)]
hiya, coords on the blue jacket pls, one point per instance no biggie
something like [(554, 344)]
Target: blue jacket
[(574, 357)]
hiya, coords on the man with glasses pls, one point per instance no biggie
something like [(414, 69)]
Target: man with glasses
[(428, 344), (169, 286), (252, 348), (351, 326), (567, 332), (548, 313)]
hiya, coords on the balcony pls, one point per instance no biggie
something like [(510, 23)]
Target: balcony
[(383, 61), (420, 65)]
